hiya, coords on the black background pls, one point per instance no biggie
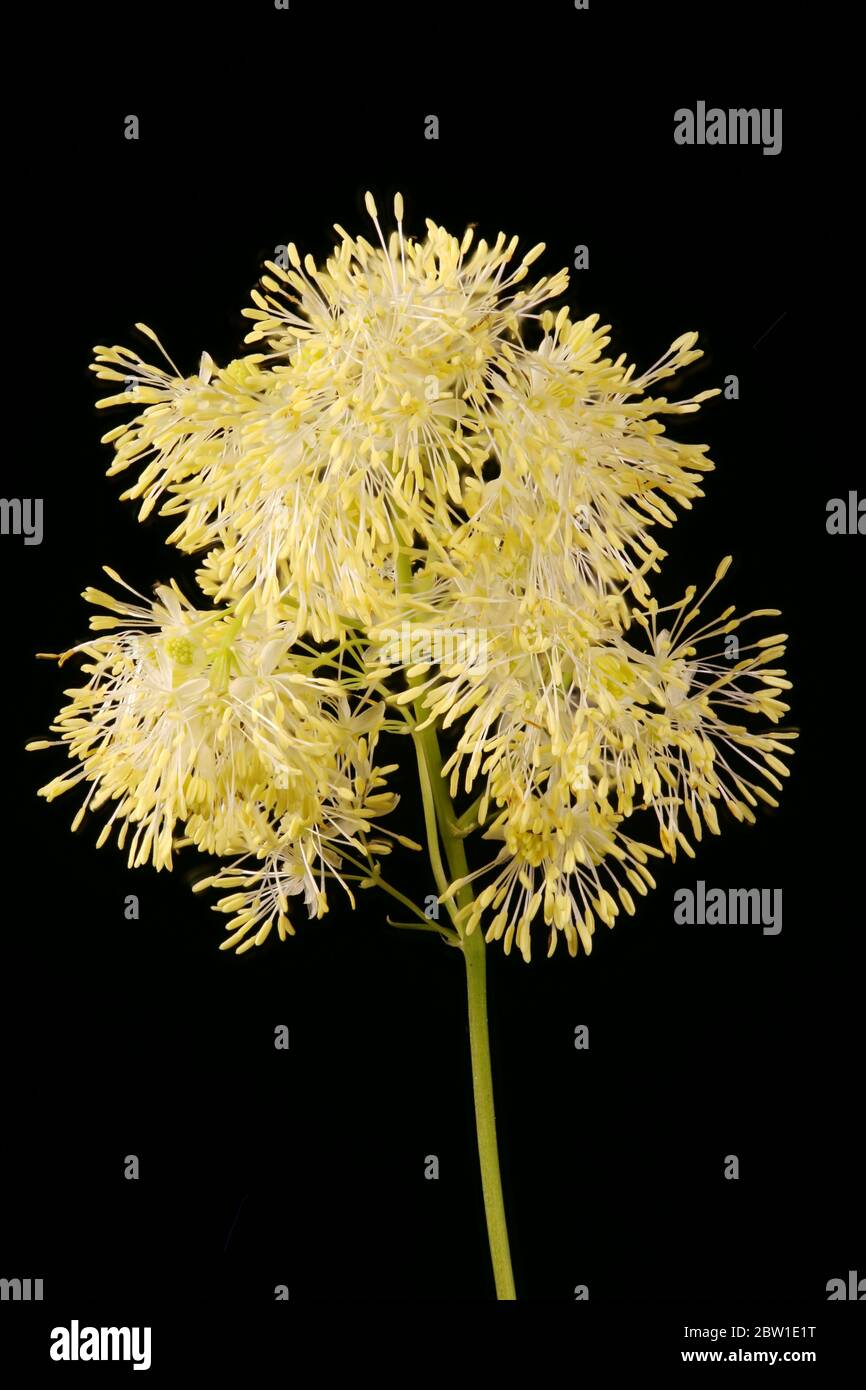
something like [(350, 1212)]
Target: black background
[(306, 1167)]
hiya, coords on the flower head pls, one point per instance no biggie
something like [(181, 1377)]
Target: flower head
[(302, 469), (419, 442), (192, 720)]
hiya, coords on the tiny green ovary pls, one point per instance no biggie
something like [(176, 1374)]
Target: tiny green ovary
[(180, 650)]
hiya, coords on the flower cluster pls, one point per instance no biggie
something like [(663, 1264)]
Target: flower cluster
[(200, 728), (418, 439), (581, 722)]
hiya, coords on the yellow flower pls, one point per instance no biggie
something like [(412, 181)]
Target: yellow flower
[(191, 719), (696, 747), (302, 469), (585, 468), (418, 445), (562, 854), (572, 728), (296, 852)]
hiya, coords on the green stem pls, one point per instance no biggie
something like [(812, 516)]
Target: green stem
[(428, 798), (474, 955), (485, 1118)]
